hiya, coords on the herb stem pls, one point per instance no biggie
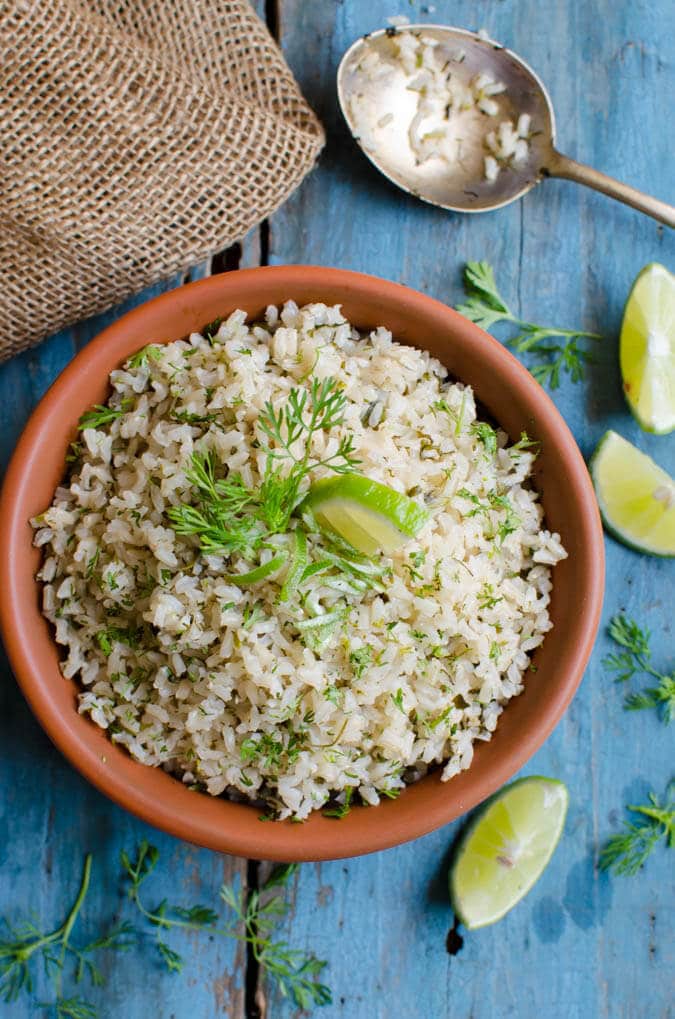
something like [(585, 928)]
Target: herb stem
[(636, 658), (66, 928), (486, 307)]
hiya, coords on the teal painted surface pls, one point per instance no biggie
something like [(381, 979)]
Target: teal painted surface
[(582, 945)]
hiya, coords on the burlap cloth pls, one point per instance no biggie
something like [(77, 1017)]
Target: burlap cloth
[(136, 138)]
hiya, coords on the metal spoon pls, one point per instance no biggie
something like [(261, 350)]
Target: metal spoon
[(379, 111)]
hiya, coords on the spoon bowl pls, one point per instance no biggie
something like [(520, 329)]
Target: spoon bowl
[(379, 107)]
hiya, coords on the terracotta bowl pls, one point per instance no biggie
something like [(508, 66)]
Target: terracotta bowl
[(509, 393)]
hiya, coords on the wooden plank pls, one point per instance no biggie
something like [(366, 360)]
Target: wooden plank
[(582, 944)]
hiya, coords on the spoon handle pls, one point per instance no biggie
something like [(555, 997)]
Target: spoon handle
[(563, 166)]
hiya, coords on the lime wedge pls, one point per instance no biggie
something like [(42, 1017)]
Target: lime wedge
[(636, 497), (369, 516), (647, 349), (506, 849)]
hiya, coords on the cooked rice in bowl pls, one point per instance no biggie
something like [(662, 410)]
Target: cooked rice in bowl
[(333, 674)]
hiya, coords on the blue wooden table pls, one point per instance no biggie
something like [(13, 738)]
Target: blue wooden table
[(582, 945)]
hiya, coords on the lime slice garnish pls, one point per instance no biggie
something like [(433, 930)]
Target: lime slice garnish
[(636, 497), (369, 516), (647, 349), (506, 849)]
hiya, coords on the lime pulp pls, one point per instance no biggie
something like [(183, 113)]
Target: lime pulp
[(647, 349)]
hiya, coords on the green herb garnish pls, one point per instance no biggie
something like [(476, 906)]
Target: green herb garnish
[(92, 563), (360, 659), (186, 417), (397, 698), (255, 916), (487, 598), (636, 659), (560, 347), (252, 614), (295, 973), (230, 518), (100, 415), (27, 944), (210, 329), (509, 523), (487, 436), (268, 750), (163, 917), (343, 808), (434, 723), (107, 637), (141, 358), (524, 443), (457, 417), (222, 517), (627, 851), (75, 451), (303, 415)]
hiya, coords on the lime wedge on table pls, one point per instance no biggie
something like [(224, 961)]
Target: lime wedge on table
[(506, 849), (647, 349), (369, 516), (636, 497)]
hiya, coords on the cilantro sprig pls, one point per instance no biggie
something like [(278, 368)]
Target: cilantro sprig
[(144, 356), (304, 414), (255, 914), (295, 972), (163, 917), (229, 517), (221, 515), (635, 660), (341, 810), (27, 944), (100, 415), (487, 436), (560, 350), (506, 525), (627, 851)]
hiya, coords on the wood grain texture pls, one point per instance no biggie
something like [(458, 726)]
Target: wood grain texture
[(582, 945)]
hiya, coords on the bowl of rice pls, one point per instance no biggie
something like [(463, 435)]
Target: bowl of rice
[(298, 563)]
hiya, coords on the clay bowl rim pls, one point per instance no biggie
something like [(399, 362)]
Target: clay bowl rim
[(151, 794)]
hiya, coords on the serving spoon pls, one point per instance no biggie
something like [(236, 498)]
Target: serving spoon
[(379, 109)]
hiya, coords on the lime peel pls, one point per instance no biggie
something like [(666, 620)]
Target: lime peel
[(370, 516)]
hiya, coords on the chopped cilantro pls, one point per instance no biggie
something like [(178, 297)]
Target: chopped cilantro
[(397, 698), (342, 809), (361, 659), (487, 436)]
